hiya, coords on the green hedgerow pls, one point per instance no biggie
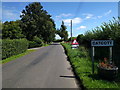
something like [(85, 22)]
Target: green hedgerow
[(13, 47)]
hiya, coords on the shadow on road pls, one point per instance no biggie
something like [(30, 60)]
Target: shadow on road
[(67, 76)]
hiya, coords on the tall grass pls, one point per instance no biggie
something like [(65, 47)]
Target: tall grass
[(82, 64)]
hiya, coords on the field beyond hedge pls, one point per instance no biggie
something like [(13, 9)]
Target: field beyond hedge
[(81, 62)]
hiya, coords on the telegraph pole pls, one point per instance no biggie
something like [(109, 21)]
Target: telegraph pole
[(71, 31)]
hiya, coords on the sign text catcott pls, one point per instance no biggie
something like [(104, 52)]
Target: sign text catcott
[(102, 43)]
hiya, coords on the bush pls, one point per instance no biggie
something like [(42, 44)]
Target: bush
[(13, 47), (106, 31), (37, 42)]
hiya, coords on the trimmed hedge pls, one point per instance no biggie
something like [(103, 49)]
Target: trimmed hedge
[(37, 42), (13, 47)]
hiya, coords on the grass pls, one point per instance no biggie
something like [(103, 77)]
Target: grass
[(82, 64), (45, 45), (14, 57)]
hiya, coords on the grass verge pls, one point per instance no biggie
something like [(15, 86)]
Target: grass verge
[(14, 57), (81, 63), (45, 45)]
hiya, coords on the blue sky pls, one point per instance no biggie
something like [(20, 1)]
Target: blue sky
[(85, 15)]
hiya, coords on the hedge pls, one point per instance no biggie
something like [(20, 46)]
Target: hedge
[(13, 47), (36, 42), (109, 30)]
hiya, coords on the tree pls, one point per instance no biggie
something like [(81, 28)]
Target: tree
[(49, 32), (80, 38), (62, 32), (72, 38), (37, 22), (1, 29), (12, 30)]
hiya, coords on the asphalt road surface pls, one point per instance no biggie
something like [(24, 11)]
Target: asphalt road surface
[(45, 68)]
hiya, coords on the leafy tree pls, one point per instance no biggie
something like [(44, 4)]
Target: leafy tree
[(1, 29), (37, 22), (80, 38), (12, 30), (62, 32), (49, 32), (110, 30), (72, 38)]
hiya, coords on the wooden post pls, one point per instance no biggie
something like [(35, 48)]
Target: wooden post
[(110, 57), (71, 31), (93, 54)]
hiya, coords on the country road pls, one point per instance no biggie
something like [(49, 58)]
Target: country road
[(45, 68)]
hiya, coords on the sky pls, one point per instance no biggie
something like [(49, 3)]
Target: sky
[(84, 15)]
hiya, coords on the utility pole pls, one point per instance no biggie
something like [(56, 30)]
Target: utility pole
[(71, 31)]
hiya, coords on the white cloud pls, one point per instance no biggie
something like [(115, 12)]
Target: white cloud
[(107, 13), (10, 14), (67, 20), (57, 36), (21, 13), (63, 15), (99, 16), (69, 34), (81, 27), (88, 16), (91, 16), (76, 20)]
